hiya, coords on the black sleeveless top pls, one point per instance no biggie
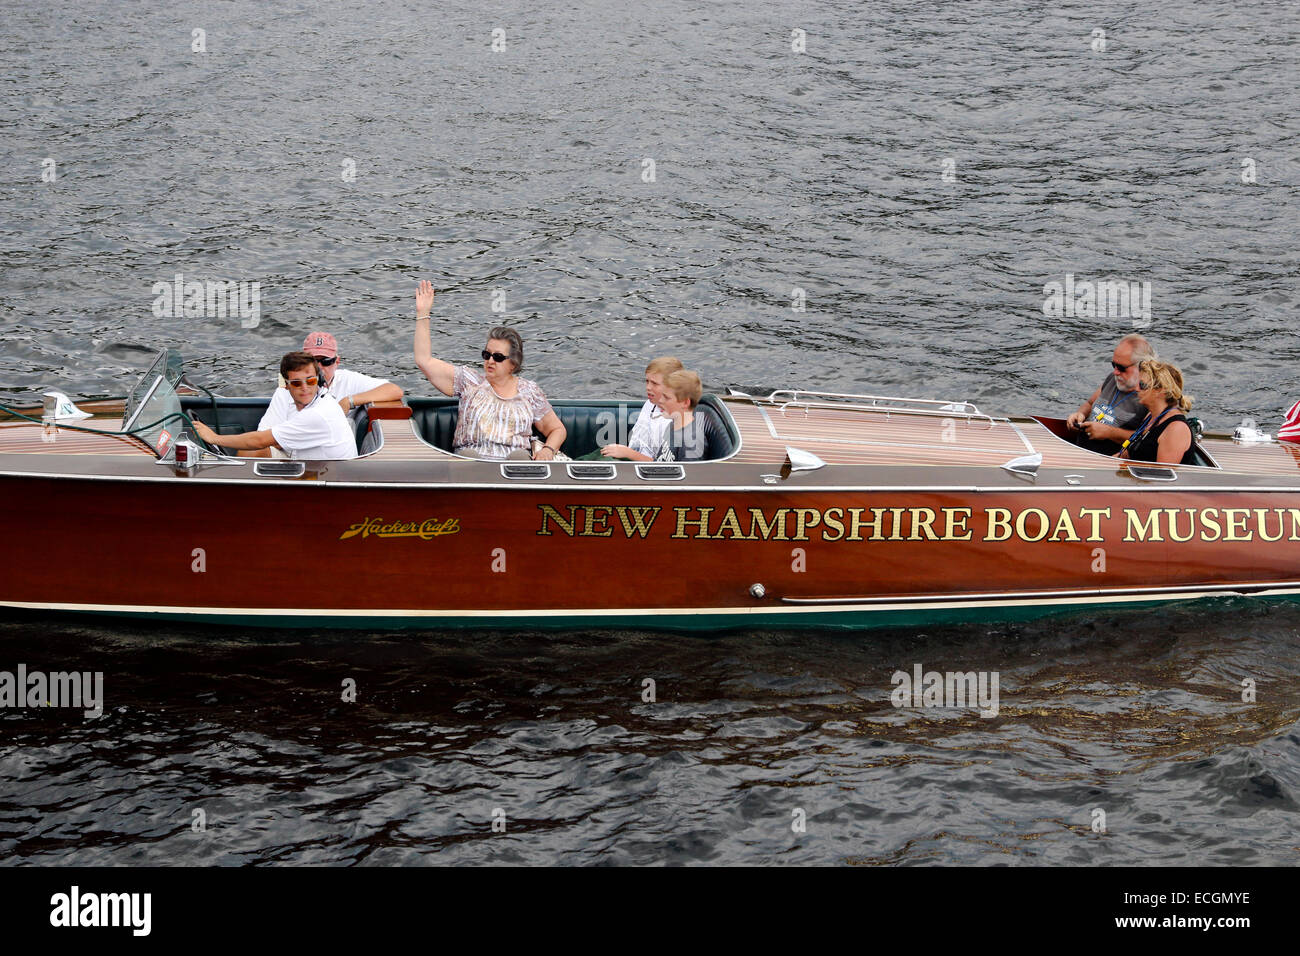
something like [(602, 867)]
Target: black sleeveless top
[(1144, 444)]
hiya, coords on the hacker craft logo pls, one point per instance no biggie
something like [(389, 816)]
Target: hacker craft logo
[(1104, 299), (208, 300)]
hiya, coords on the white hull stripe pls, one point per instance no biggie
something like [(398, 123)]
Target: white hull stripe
[(786, 609)]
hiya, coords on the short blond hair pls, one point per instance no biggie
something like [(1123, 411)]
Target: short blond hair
[(663, 365), (1166, 377), (685, 386)]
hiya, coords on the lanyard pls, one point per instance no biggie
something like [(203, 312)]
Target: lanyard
[(1144, 427)]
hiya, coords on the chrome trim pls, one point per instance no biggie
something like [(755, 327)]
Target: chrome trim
[(777, 436), (967, 409), (343, 483), (1240, 588), (1152, 472), (800, 460), (279, 468), (1025, 465), (531, 470), (592, 466), (666, 467)]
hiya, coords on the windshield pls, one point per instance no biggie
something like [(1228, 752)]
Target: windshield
[(154, 404)]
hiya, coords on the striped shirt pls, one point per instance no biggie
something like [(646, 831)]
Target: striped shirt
[(493, 426)]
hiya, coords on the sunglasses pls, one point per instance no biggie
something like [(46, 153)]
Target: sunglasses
[(494, 356), (300, 382), (1122, 368), (1145, 386), (327, 362)]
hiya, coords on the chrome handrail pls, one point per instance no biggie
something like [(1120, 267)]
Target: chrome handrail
[(964, 410), (895, 402)]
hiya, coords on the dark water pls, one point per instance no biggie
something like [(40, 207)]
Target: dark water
[(522, 171), (1138, 715)]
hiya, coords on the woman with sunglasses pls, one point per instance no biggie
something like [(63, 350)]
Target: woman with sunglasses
[(1164, 436), (498, 409)]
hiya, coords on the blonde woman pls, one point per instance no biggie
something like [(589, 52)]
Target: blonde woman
[(1164, 436)]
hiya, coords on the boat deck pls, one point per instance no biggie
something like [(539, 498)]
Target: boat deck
[(838, 433), (858, 435)]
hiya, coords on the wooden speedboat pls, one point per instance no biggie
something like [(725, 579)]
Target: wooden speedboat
[(814, 509)]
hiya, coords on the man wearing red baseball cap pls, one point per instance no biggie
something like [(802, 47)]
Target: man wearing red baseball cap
[(350, 389)]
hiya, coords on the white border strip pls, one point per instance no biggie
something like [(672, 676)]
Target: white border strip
[(525, 614)]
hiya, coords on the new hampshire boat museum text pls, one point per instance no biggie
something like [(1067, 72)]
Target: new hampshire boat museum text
[(924, 524)]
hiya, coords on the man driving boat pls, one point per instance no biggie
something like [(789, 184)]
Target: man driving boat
[(315, 427)]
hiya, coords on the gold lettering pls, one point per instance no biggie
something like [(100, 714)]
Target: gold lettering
[(1206, 520), (803, 516), (1234, 522), (566, 526), (1042, 524), (954, 523), (759, 520), (1151, 527), (919, 524), (729, 520), (701, 523), (1096, 514), (999, 519), (638, 524), (1063, 523), (896, 532), (856, 522), (591, 516), (1173, 524), (1295, 523), (829, 519), (1262, 524)]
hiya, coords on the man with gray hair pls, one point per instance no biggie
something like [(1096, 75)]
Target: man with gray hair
[(1107, 419)]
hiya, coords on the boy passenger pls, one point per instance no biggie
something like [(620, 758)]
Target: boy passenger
[(686, 441), (652, 426)]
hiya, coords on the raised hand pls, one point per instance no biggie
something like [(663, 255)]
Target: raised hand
[(423, 299)]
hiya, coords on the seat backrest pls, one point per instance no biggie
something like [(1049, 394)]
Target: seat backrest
[(366, 440), (435, 420), (590, 425), (717, 443)]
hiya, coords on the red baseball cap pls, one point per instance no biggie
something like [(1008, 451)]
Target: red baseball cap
[(320, 343)]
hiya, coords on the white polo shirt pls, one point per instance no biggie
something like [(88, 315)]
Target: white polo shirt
[(650, 430), (346, 384), (318, 432)]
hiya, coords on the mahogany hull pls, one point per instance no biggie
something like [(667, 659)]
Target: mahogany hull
[(320, 553)]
